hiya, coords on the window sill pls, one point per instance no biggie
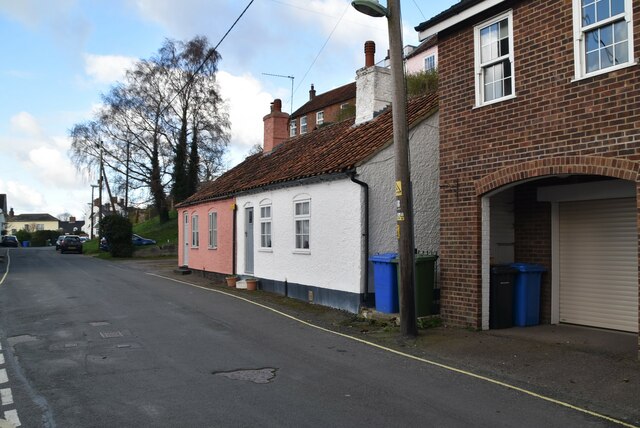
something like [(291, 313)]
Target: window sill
[(213, 248), (265, 250), (301, 251), (604, 71), (490, 103)]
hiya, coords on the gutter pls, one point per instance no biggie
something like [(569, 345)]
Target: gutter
[(233, 252), (365, 233)]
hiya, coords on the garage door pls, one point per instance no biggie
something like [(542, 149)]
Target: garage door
[(599, 264)]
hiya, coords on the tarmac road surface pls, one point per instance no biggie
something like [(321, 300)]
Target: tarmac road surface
[(93, 343)]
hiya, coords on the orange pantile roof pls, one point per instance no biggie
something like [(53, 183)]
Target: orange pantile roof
[(336, 148)]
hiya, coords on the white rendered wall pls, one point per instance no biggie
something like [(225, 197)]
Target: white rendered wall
[(373, 92), (379, 174), (334, 258)]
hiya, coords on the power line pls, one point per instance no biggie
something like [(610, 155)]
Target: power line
[(419, 10), (209, 55), (323, 46)]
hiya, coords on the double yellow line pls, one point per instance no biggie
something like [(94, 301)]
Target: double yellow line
[(413, 357)]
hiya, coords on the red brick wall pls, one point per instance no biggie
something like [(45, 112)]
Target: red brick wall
[(330, 115), (553, 125)]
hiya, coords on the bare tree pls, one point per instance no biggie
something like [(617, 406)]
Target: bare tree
[(141, 133)]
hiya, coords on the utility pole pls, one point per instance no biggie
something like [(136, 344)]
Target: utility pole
[(100, 196), (93, 204), (408, 323), (404, 205)]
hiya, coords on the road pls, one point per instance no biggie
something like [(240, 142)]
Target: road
[(91, 343)]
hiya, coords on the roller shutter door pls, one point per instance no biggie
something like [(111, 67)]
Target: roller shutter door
[(599, 264)]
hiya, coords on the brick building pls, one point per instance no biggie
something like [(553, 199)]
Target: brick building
[(539, 151), (323, 109)]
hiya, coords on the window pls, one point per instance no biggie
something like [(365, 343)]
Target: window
[(265, 226), (604, 39), (292, 128), (320, 117), (494, 60), (303, 125), (430, 63), (302, 216), (213, 230), (195, 236)]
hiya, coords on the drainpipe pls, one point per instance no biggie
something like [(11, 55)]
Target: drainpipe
[(365, 233), (233, 252)]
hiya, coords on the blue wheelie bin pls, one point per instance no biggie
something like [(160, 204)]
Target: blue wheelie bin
[(385, 281), (526, 294)]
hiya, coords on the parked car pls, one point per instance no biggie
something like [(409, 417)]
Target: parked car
[(84, 239), (9, 241), (139, 240), (59, 241), (71, 243)]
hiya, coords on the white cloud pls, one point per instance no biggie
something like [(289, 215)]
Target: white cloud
[(60, 18), (107, 68), (24, 123), (247, 104), (23, 196)]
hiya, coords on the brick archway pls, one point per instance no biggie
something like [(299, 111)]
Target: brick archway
[(591, 165)]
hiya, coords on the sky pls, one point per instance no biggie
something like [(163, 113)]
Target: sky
[(59, 56)]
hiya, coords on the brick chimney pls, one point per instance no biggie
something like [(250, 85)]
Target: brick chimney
[(72, 219), (373, 87), (312, 93), (276, 128)]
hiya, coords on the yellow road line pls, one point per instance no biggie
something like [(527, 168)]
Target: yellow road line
[(412, 357)]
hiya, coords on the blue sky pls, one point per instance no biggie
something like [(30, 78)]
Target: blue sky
[(59, 56)]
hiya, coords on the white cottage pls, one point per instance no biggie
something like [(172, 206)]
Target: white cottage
[(312, 209)]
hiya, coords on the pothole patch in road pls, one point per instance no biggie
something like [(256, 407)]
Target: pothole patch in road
[(264, 375), (23, 338)]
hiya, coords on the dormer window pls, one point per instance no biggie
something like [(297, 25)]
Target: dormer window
[(303, 125), (603, 36), (320, 117), (292, 128)]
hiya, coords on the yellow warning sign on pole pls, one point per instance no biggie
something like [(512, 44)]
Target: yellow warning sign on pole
[(398, 188)]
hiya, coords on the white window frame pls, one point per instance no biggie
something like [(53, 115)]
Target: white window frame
[(301, 219), (430, 58), (213, 230), (479, 66), (320, 117), (293, 128), (303, 125), (264, 221), (579, 39), (195, 234)]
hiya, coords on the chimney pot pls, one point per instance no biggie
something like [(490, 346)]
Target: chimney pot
[(312, 92), (276, 105), (369, 53)]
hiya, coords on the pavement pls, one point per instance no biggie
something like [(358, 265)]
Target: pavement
[(592, 370)]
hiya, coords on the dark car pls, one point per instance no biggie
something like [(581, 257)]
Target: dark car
[(9, 241), (139, 240), (59, 241), (71, 243)]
